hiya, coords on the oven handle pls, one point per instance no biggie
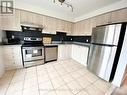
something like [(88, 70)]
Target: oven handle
[(31, 48)]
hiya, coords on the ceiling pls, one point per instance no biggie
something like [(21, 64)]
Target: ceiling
[(81, 7)]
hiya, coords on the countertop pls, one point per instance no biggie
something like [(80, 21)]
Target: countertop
[(65, 43), (55, 43)]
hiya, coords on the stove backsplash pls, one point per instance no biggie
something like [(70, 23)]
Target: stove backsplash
[(18, 36), (83, 39)]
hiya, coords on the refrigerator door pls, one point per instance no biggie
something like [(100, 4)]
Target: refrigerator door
[(108, 35), (101, 60)]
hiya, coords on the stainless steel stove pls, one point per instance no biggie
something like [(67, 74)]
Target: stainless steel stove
[(32, 51)]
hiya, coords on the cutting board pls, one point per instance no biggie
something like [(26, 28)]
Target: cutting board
[(47, 40)]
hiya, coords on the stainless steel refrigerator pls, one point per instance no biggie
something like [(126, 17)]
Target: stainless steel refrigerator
[(105, 49)]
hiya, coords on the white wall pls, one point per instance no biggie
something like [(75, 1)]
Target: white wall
[(122, 64)]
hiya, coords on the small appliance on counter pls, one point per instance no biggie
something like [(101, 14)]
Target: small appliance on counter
[(105, 49)]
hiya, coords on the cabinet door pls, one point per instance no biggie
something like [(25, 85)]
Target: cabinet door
[(17, 57), (26, 17), (80, 54), (75, 29), (61, 53), (83, 54), (119, 16), (92, 25), (74, 52), (103, 19), (68, 49), (59, 25), (8, 57), (11, 21)]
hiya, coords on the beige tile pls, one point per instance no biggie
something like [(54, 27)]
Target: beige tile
[(75, 74), (83, 93), (83, 82), (83, 71), (64, 93), (15, 87), (46, 86), (58, 66), (41, 67), (91, 77), (92, 90), (53, 75), (51, 69), (102, 85), (15, 93), (30, 82), (31, 74), (43, 78), (74, 87), (31, 91), (41, 72), (67, 78), (31, 69), (62, 72), (43, 92), (50, 93), (18, 78), (57, 82), (63, 88)]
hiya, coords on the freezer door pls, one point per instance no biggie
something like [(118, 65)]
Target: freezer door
[(101, 60), (106, 34)]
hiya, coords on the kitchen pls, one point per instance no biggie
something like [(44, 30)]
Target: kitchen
[(52, 52)]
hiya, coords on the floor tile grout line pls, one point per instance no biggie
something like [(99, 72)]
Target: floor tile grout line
[(24, 79), (9, 83), (37, 80), (51, 80), (80, 85), (75, 80), (64, 81), (87, 86)]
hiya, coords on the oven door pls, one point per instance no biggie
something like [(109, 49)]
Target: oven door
[(33, 53)]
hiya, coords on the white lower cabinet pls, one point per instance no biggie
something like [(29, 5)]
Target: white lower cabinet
[(80, 54), (76, 52), (12, 57), (64, 51)]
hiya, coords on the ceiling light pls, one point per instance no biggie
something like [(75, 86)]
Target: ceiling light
[(63, 2)]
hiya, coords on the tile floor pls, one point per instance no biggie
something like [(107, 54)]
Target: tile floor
[(65, 77)]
